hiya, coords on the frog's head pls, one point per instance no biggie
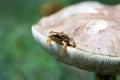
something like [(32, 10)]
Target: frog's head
[(53, 34), (56, 36)]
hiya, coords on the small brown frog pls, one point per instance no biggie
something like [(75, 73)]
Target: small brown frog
[(61, 38)]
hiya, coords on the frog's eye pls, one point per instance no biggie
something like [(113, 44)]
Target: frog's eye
[(57, 35)]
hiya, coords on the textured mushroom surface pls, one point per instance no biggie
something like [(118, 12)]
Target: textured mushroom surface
[(94, 27)]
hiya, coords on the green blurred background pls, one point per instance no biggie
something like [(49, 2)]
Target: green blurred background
[(21, 58)]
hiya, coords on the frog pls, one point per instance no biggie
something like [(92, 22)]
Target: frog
[(61, 38)]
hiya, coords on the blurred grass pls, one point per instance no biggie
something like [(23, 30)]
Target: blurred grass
[(21, 58)]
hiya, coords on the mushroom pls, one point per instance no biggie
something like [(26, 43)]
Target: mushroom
[(95, 30)]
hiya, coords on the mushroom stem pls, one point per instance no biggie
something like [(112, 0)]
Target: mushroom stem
[(105, 77)]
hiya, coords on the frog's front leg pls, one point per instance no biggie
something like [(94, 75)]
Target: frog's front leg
[(48, 41), (64, 46)]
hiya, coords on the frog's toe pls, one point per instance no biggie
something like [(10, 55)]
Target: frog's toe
[(48, 41), (64, 47)]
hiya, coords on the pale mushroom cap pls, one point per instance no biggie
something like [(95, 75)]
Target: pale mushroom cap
[(94, 27)]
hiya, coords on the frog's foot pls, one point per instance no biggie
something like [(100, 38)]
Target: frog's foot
[(63, 47), (48, 41)]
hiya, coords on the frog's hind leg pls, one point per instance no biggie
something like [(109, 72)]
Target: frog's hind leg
[(63, 47), (48, 41)]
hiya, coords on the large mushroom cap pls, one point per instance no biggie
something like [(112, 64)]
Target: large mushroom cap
[(94, 27)]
